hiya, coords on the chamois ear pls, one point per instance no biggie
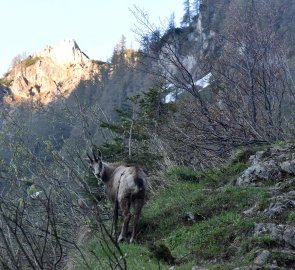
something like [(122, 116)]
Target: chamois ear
[(97, 158), (90, 160), (99, 154)]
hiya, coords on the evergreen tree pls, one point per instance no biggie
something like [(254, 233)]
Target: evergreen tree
[(135, 128), (172, 21), (186, 19), (119, 51), (196, 6)]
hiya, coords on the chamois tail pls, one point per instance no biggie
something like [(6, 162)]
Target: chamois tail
[(139, 183)]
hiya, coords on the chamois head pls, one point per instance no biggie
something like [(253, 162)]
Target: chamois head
[(96, 164)]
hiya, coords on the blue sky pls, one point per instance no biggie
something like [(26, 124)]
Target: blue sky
[(97, 25)]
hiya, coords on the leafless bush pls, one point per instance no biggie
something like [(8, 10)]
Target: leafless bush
[(45, 200)]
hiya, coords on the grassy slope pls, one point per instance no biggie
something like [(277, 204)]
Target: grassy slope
[(220, 237), (220, 231)]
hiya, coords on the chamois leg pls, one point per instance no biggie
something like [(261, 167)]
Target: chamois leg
[(125, 207), (115, 219), (138, 204)]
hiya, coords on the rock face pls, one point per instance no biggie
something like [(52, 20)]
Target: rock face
[(269, 165), (274, 166), (65, 52), (273, 169), (280, 203), (282, 234), (50, 73), (261, 259)]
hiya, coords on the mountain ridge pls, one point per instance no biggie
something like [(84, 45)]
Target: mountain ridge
[(56, 70)]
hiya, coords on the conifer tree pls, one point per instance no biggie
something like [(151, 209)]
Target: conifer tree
[(186, 19), (172, 21), (136, 125), (196, 6)]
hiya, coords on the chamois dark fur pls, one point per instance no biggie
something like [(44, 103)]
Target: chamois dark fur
[(125, 187)]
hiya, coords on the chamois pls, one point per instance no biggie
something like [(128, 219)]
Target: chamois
[(125, 186)]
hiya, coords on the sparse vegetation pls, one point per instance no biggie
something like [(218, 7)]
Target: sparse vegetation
[(98, 62), (30, 61), (6, 82)]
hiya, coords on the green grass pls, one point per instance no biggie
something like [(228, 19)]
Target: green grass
[(243, 154), (219, 222), (210, 178), (137, 256)]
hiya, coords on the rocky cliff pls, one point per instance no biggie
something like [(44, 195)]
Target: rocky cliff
[(55, 71)]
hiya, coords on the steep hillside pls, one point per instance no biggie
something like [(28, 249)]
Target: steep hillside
[(239, 216)]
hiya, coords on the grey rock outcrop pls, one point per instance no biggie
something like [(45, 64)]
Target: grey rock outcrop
[(280, 233), (199, 268), (259, 172), (279, 204), (272, 164), (261, 259)]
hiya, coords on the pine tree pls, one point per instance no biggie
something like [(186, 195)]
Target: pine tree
[(196, 6), (119, 51), (136, 125), (186, 19), (172, 21)]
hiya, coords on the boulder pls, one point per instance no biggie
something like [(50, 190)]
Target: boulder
[(288, 166), (274, 164), (282, 234), (259, 172), (279, 204), (262, 258), (199, 268)]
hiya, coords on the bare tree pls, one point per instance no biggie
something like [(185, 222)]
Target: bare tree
[(251, 93), (47, 200)]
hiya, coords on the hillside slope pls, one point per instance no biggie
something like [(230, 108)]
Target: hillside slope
[(240, 216)]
